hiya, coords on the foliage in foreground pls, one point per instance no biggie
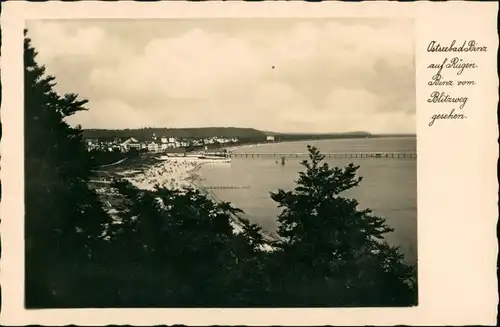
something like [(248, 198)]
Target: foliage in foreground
[(335, 248), (63, 218), (178, 248)]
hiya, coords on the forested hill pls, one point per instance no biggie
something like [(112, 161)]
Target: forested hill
[(146, 133), (228, 132), (310, 136)]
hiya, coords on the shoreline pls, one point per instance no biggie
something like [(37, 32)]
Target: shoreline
[(195, 181), (256, 144), (180, 173), (175, 173)]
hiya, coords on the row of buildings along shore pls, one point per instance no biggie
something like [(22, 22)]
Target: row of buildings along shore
[(155, 144)]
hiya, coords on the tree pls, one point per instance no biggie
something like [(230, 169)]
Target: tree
[(63, 217), (331, 252), (185, 239), (174, 248)]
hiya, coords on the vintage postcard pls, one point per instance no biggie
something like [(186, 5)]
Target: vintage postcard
[(232, 163)]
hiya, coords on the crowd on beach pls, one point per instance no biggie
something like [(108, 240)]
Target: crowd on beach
[(173, 174)]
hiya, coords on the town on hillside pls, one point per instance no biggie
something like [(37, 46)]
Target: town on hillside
[(161, 144)]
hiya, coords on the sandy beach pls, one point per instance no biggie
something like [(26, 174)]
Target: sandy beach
[(172, 173), (178, 173)]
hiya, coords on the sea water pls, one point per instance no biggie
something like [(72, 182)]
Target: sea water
[(389, 186)]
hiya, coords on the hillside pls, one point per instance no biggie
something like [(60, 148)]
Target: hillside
[(146, 133), (243, 134)]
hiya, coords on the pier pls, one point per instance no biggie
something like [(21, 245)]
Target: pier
[(340, 155), (226, 187)]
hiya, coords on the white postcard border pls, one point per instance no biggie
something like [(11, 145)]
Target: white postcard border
[(457, 184)]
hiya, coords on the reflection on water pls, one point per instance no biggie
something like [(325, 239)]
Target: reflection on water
[(389, 186)]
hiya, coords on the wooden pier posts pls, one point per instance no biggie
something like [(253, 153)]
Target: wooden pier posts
[(349, 155)]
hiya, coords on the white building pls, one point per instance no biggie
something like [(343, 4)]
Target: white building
[(222, 140), (153, 147), (130, 143), (270, 138)]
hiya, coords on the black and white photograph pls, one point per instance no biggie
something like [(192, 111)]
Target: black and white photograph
[(220, 163)]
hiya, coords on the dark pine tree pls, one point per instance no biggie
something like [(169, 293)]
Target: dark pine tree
[(178, 248), (331, 252), (63, 217)]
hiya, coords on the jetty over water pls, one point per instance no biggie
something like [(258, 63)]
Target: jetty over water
[(340, 155), (226, 187)]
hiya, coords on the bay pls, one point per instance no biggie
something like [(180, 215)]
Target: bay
[(389, 186)]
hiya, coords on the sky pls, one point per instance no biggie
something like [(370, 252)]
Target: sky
[(276, 74)]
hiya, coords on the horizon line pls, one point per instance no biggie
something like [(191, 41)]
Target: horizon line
[(260, 130)]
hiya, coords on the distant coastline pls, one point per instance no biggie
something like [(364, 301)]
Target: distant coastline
[(243, 134), (253, 144), (210, 139)]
